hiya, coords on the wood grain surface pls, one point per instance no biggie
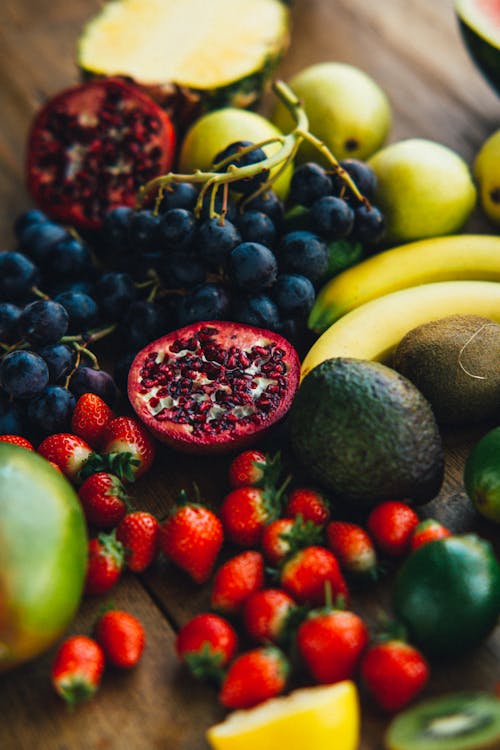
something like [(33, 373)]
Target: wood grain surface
[(414, 51)]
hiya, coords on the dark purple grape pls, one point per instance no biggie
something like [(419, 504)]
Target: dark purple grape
[(362, 174), (331, 217), (68, 258), (144, 322), (143, 231), (114, 235), (215, 240), (115, 291), (9, 315), (87, 380), (11, 420), (23, 374), (37, 240), (369, 225), (17, 276), (28, 219), (60, 359), (51, 411), (252, 266), (121, 370), (182, 271), (179, 195), (256, 226), (294, 294), (246, 185), (208, 301), (43, 322), (257, 310), (304, 253), (269, 203), (82, 311), (309, 183), (177, 230)]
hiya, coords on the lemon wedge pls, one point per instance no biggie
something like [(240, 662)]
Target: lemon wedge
[(322, 718)]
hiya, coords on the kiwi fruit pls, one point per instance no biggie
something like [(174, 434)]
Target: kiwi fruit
[(457, 721), (455, 363)]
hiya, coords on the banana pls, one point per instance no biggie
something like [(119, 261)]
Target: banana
[(373, 330), (465, 256)]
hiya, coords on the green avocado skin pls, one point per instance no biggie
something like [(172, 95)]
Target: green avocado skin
[(447, 594), (485, 54), (365, 433), (482, 475)]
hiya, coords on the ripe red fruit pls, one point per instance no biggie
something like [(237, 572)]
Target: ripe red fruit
[(17, 440), (427, 531), (246, 470), (353, 548), (67, 451), (77, 668), (309, 503), (391, 525), (206, 644), (125, 435), (306, 574), (105, 563), (212, 373), (246, 511), (331, 643), (285, 535), (394, 672), (254, 677), (104, 500), (235, 580), (192, 537), (139, 533), (122, 138), (266, 613), (121, 637), (90, 417)]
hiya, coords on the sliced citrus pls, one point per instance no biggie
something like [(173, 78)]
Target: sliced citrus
[(322, 718)]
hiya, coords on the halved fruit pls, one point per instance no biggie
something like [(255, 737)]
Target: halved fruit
[(480, 26), (322, 718), (218, 53)]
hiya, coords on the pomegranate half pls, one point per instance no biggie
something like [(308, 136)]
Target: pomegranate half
[(213, 387)]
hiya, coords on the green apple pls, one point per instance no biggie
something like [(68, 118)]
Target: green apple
[(424, 189), (346, 109), (214, 131)]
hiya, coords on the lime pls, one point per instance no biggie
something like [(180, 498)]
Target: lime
[(43, 554), (482, 475)]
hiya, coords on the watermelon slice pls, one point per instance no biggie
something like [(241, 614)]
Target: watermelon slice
[(479, 22)]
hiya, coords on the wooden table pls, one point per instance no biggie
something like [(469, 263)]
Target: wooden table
[(414, 51)]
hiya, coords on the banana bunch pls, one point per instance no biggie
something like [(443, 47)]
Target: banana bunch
[(373, 329), (454, 257)]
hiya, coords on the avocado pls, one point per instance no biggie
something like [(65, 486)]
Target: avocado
[(456, 721), (365, 433), (455, 363)]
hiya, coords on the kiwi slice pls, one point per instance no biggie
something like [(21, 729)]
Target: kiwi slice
[(458, 721)]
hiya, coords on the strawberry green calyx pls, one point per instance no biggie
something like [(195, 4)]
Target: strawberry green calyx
[(123, 465), (206, 664), (75, 689), (112, 547), (301, 535)]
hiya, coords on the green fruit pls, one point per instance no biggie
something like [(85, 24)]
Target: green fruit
[(447, 593), (209, 54), (454, 362), (457, 721), (365, 433), (346, 109), (424, 189), (487, 173), (216, 130), (482, 475), (480, 27), (43, 554)]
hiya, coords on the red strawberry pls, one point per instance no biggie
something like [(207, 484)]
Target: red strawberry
[(266, 614), (331, 642), (394, 672), (77, 669), (391, 525), (139, 533), (127, 450), (254, 677), (311, 504), (285, 535), (67, 451), (353, 548), (121, 637), (104, 499), (192, 537), (305, 575), (428, 531), (105, 563), (246, 470), (206, 644), (236, 580), (17, 440), (90, 417)]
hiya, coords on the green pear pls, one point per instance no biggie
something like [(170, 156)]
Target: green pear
[(424, 189), (346, 109)]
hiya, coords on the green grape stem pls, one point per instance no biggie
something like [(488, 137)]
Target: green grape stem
[(290, 143)]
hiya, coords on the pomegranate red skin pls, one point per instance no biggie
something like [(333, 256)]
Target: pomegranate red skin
[(185, 437), (72, 182)]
